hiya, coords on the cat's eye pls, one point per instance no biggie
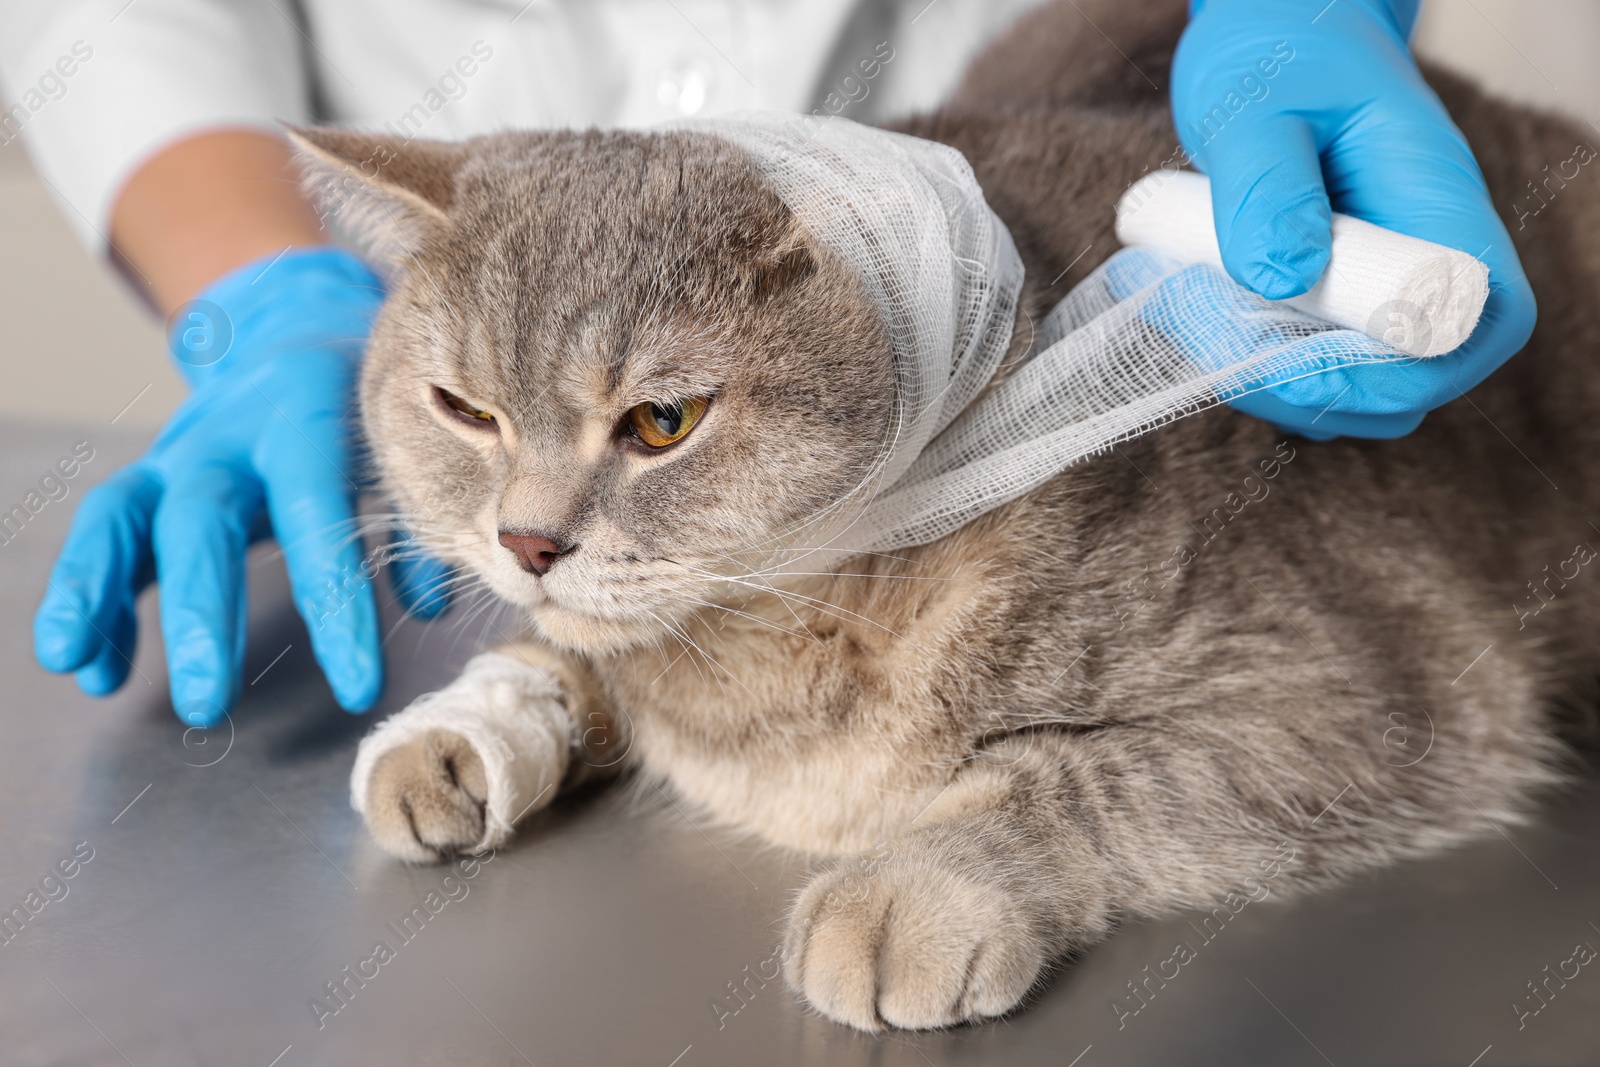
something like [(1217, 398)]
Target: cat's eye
[(461, 409), (661, 423)]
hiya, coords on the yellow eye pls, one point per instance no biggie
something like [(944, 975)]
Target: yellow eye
[(461, 407), (659, 424)]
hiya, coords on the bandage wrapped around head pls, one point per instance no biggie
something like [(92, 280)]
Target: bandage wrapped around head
[(1147, 338)]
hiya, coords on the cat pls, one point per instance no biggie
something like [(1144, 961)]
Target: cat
[(1214, 660)]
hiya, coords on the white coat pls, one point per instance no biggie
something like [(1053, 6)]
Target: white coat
[(95, 87)]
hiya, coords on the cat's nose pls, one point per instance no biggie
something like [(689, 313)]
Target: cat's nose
[(535, 552)]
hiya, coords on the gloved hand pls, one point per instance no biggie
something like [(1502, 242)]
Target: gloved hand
[(1288, 104), (272, 351)]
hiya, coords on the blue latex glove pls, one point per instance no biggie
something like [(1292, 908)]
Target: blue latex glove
[(1288, 104), (272, 351)]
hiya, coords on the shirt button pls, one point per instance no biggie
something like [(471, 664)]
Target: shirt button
[(685, 86)]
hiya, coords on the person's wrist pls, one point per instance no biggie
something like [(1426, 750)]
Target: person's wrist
[(320, 295)]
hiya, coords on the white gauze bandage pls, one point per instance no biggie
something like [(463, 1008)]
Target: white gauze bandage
[(1422, 298), (514, 716), (1147, 338)]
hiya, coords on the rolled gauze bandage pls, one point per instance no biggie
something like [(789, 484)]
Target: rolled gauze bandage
[(1416, 296)]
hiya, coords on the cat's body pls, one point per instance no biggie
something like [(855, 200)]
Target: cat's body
[(1209, 662)]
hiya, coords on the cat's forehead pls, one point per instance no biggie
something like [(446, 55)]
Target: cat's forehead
[(597, 260), (564, 224), (645, 187)]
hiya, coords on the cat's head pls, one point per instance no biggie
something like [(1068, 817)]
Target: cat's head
[(613, 373)]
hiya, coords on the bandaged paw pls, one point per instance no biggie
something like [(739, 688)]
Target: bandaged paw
[(458, 768)]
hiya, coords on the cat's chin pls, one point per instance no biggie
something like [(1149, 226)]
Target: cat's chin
[(580, 631)]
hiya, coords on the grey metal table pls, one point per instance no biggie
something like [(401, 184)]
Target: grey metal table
[(221, 883)]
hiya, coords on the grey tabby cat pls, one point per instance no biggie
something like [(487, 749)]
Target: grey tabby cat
[(1209, 663)]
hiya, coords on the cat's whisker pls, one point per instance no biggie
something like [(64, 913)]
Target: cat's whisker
[(481, 611), (825, 607), (877, 555), (785, 604), (655, 640), (848, 574), (473, 596), (683, 646), (711, 660), (490, 618), (752, 617)]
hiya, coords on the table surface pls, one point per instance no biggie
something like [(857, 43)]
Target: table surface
[(229, 881)]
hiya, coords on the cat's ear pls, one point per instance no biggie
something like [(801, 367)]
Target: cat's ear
[(391, 196), (786, 261)]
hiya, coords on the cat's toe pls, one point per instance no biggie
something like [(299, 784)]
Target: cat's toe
[(909, 946), (425, 799)]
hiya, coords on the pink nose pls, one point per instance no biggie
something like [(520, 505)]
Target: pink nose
[(535, 552)]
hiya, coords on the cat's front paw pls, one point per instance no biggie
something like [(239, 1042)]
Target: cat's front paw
[(425, 799), (880, 942), (456, 770)]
